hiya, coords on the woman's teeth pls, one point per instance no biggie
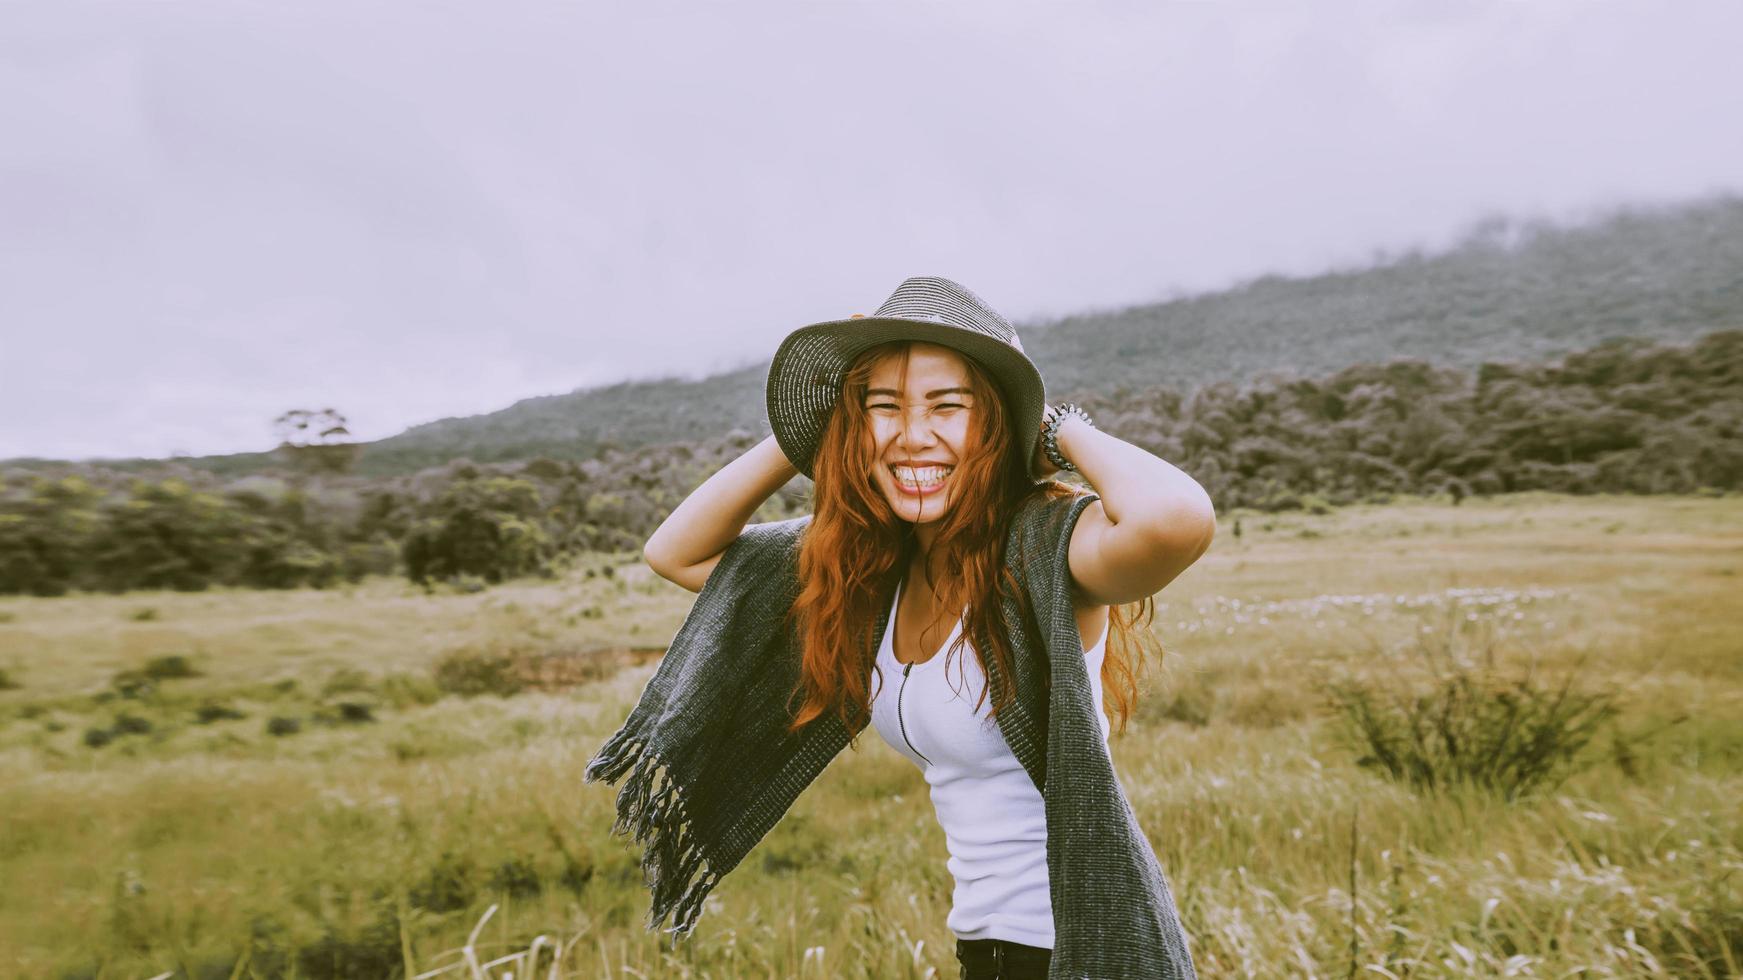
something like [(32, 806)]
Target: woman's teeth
[(922, 478)]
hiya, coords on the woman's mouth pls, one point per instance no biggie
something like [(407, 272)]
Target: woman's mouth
[(921, 481)]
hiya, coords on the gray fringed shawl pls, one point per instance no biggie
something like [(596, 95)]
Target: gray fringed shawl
[(711, 768)]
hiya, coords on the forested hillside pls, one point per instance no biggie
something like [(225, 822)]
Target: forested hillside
[(1508, 292), (1628, 416), (1673, 274)]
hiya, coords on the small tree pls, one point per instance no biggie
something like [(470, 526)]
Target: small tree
[(316, 442)]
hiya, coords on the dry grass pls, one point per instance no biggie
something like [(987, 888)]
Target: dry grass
[(367, 848)]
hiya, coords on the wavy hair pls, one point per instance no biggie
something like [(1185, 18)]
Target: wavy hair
[(855, 550)]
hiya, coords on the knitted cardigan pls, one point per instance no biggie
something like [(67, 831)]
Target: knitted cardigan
[(711, 768)]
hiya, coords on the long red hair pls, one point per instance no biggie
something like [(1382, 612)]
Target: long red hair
[(855, 549)]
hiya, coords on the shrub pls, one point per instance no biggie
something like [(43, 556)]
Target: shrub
[(470, 672), (280, 725), (132, 683), (516, 877), (447, 887), (347, 950), (169, 667), (132, 725), (206, 714), (96, 738), (488, 527), (7, 681), (376, 557), (143, 615), (356, 712), (277, 560), (1512, 735)]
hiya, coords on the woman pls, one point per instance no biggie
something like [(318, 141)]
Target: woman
[(923, 429)]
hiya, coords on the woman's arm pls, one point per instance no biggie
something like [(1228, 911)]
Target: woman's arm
[(1151, 523), (686, 547)]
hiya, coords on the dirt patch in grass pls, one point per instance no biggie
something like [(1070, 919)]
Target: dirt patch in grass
[(558, 670)]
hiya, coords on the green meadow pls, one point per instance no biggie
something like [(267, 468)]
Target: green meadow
[(385, 781)]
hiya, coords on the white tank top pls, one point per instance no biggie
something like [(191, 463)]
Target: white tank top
[(994, 820)]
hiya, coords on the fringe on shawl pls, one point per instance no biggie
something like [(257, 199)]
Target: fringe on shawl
[(655, 815)]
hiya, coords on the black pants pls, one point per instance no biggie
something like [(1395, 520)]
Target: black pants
[(1001, 959)]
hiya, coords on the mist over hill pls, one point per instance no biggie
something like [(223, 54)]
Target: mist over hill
[(1507, 291)]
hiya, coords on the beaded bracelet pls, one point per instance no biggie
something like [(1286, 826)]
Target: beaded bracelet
[(1050, 433)]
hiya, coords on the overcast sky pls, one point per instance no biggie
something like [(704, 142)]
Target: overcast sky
[(211, 212)]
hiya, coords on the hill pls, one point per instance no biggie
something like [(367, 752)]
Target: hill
[(1508, 291)]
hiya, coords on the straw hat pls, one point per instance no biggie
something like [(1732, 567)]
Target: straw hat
[(806, 375)]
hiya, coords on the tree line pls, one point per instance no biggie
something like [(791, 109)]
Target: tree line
[(1628, 416)]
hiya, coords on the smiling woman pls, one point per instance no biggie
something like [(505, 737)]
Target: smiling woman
[(921, 438), (936, 530), (917, 471)]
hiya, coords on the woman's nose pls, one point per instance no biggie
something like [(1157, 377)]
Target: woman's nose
[(917, 430)]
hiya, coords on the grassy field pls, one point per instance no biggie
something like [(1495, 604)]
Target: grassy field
[(286, 784)]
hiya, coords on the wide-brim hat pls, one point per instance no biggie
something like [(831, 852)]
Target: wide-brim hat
[(806, 375)]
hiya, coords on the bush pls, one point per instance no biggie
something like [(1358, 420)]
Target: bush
[(516, 877), (96, 738), (447, 887), (470, 672), (280, 725), (1475, 727), (346, 949), (488, 527), (206, 714), (169, 668), (7, 681), (376, 557), (132, 725), (132, 683), (355, 712)]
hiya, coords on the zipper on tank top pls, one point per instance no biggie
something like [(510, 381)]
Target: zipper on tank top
[(900, 721)]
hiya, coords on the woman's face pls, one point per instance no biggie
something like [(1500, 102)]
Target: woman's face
[(922, 427)]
